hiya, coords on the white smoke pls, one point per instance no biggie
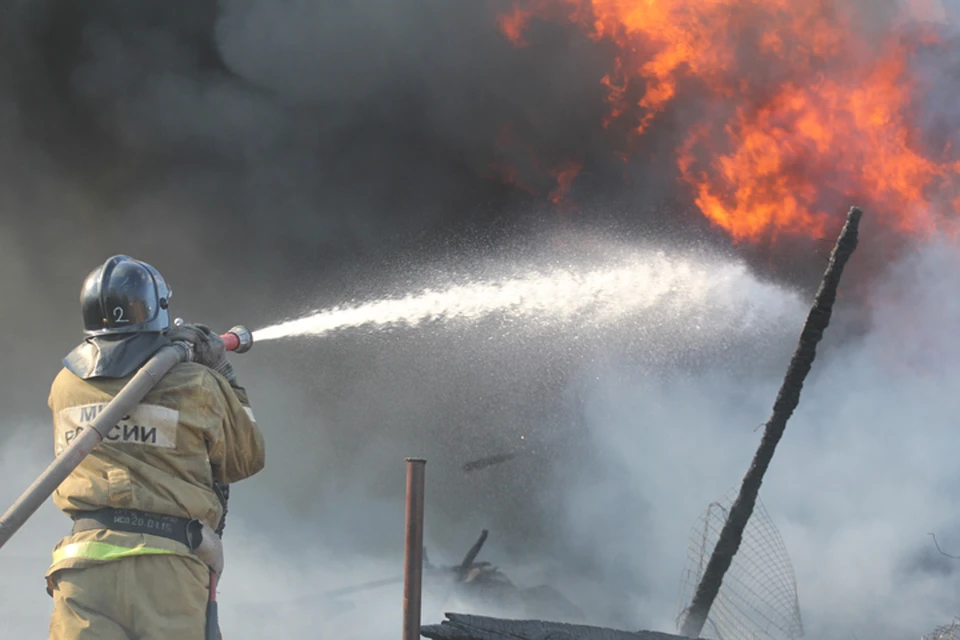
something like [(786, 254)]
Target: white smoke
[(864, 471)]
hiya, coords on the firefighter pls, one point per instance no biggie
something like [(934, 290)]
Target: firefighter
[(147, 504)]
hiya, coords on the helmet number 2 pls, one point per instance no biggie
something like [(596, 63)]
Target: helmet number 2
[(118, 315)]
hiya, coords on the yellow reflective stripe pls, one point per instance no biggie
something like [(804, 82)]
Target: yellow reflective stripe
[(94, 550)]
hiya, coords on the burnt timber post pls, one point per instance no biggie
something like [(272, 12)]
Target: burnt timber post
[(787, 399)]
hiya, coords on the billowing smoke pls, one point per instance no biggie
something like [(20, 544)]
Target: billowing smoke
[(857, 484), (338, 127), (320, 153)]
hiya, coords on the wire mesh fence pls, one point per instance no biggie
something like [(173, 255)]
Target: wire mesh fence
[(945, 632), (758, 597)]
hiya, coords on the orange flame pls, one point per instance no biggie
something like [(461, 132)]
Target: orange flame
[(798, 111), (513, 25), (532, 169), (564, 175)]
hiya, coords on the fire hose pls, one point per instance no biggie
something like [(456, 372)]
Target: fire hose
[(238, 339)]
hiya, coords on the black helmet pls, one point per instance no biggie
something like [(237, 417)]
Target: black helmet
[(124, 296)]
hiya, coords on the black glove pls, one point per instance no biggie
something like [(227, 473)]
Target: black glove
[(208, 348)]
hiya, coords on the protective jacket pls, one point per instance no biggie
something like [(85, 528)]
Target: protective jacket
[(191, 430)]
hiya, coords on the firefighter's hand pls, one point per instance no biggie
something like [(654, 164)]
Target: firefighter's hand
[(208, 348)]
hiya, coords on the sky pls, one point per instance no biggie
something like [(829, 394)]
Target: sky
[(333, 154)]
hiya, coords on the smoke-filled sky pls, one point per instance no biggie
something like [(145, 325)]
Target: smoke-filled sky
[(275, 158)]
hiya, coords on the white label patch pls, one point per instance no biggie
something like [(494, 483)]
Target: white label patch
[(249, 412), (148, 424)]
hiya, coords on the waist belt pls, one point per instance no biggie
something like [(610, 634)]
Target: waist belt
[(182, 530)]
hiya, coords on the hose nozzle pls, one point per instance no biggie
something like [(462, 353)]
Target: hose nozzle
[(238, 339)]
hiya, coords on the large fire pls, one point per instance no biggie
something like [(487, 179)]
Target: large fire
[(801, 108)]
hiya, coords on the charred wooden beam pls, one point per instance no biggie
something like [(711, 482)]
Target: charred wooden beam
[(488, 461), (787, 399), (471, 557), (467, 627)]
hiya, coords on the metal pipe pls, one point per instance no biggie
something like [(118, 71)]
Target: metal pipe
[(413, 550), (58, 470)]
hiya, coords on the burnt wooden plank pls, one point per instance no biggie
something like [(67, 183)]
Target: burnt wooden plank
[(466, 627)]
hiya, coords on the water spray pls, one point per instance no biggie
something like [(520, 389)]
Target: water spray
[(630, 283)]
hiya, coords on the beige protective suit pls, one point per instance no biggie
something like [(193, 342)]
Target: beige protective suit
[(190, 430)]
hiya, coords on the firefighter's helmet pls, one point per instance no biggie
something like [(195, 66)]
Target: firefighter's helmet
[(124, 296)]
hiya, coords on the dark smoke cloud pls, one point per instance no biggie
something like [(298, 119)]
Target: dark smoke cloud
[(322, 129)]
